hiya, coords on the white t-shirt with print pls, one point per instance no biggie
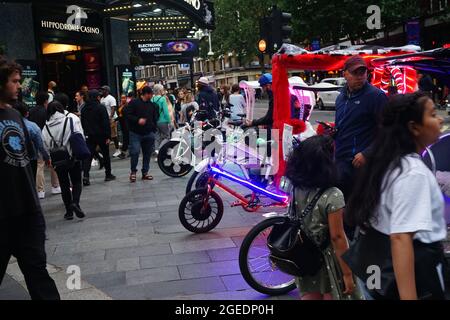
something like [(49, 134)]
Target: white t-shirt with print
[(109, 102), (412, 203)]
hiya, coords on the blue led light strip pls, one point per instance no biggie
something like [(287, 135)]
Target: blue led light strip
[(274, 196)]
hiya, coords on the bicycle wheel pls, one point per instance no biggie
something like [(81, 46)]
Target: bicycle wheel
[(170, 166), (200, 212), (256, 268)]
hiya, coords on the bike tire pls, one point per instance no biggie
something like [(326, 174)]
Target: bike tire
[(248, 275), (190, 207), (169, 170)]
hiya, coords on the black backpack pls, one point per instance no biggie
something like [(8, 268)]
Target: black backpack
[(59, 154), (291, 249)]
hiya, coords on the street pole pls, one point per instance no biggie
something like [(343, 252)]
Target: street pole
[(191, 71)]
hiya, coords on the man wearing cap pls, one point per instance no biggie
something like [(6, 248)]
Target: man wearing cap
[(96, 126), (265, 81), (358, 109), (207, 98), (142, 116)]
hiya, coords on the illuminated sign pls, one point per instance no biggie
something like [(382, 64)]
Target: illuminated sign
[(177, 50)]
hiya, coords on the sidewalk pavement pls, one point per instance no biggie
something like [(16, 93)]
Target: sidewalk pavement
[(131, 245)]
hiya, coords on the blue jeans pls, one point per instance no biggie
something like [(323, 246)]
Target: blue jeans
[(147, 144)]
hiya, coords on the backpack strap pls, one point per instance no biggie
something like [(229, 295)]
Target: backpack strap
[(64, 131), (310, 207), (51, 136)]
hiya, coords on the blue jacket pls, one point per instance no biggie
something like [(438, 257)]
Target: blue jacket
[(357, 116), (36, 137)]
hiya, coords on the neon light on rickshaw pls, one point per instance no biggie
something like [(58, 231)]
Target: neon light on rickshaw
[(252, 186)]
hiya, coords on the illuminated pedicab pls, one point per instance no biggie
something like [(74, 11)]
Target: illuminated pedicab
[(254, 262)]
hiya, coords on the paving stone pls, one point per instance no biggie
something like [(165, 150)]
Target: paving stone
[(88, 268), (108, 279), (223, 254), (209, 269), (174, 260), (224, 296), (201, 245), (91, 256), (166, 290), (133, 252), (152, 275), (12, 290), (235, 283), (129, 264), (87, 294), (61, 279), (107, 244)]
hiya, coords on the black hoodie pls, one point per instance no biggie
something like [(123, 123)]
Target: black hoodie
[(95, 120), (208, 100)]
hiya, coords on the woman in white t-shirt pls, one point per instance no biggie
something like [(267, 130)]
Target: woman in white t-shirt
[(399, 196), (237, 102)]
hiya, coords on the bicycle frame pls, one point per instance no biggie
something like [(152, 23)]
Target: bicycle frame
[(279, 199)]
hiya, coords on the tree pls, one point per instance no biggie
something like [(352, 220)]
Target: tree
[(237, 27)]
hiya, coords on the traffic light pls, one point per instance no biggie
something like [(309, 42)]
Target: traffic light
[(281, 29), (265, 39)]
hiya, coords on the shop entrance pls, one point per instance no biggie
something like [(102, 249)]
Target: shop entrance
[(71, 67)]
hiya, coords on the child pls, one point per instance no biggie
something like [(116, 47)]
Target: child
[(311, 169)]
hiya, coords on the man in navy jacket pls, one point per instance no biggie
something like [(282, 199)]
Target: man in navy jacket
[(358, 110)]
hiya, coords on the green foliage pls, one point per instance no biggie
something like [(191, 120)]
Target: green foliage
[(237, 27), (329, 21)]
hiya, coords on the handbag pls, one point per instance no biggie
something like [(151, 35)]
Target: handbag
[(79, 147), (59, 154), (373, 248), (291, 249)]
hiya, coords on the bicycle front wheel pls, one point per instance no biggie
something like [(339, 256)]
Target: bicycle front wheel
[(256, 268)]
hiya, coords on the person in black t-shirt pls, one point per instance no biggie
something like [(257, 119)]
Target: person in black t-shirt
[(142, 116), (22, 225)]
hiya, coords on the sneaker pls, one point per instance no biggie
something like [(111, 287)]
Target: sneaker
[(86, 182), (117, 153), (133, 177), (78, 212), (41, 194), (68, 215), (122, 156), (56, 190), (110, 177)]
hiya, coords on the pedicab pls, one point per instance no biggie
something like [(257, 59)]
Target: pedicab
[(202, 209), (255, 264)]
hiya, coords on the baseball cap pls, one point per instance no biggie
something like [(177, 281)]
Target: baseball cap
[(265, 79), (106, 88), (204, 81), (354, 62)]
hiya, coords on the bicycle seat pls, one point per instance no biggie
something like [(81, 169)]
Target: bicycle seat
[(242, 115), (235, 123)]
